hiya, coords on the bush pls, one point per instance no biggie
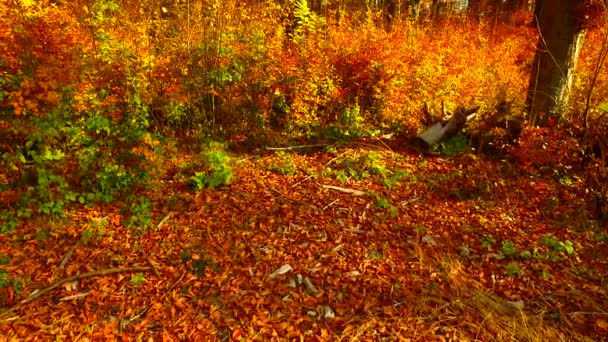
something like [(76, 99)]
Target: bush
[(218, 173)]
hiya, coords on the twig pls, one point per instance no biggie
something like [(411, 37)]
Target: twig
[(165, 219), (330, 204), (356, 231), (68, 255), (76, 296), (336, 158), (77, 277), (347, 190), (385, 145), (409, 201), (154, 269), (302, 181), (291, 148)]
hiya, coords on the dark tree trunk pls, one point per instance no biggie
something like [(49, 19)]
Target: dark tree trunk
[(561, 33), (435, 9), (516, 5), (474, 10)]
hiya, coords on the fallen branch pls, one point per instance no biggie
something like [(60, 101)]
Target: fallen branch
[(330, 204), (165, 219), (347, 190), (302, 181), (76, 296), (38, 293), (291, 148), (154, 269), (68, 255)]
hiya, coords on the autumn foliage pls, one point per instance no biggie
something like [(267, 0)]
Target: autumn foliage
[(111, 113)]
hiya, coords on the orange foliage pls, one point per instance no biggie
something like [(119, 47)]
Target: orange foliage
[(547, 147)]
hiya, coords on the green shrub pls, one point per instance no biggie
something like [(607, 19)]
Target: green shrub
[(218, 173), (284, 165)]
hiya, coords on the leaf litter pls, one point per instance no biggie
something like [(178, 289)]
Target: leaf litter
[(312, 256)]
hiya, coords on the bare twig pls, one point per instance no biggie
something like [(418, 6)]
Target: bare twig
[(330, 204), (68, 255), (385, 145), (347, 190), (154, 269), (77, 277), (76, 296), (336, 157), (291, 148), (165, 219), (409, 201), (302, 181)]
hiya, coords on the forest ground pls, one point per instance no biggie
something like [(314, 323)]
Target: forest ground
[(435, 248)]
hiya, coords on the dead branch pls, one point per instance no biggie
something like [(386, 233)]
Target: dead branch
[(165, 219), (39, 293), (347, 190), (76, 296), (330, 204), (68, 255), (154, 269), (302, 181), (291, 148)]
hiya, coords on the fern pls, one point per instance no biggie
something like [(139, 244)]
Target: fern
[(307, 21)]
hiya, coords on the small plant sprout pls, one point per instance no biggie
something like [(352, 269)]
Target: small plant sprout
[(137, 279)]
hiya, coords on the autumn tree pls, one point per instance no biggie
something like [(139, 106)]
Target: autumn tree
[(561, 31)]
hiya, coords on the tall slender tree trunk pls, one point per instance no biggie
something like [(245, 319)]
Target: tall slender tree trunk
[(561, 32)]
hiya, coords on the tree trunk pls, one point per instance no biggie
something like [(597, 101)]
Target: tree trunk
[(561, 35), (474, 10)]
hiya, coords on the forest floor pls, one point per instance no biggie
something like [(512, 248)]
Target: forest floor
[(426, 248)]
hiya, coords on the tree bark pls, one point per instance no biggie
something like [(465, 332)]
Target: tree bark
[(561, 33), (474, 10)]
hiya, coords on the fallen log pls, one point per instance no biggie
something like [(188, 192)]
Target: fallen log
[(445, 128)]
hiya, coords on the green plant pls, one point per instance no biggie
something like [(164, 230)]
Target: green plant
[(383, 203), (508, 248), (18, 285), (350, 125), (487, 241), (112, 180), (374, 162), (95, 229), (525, 255), (137, 279), (557, 246), (375, 255), (284, 165), (219, 170), (513, 270), (342, 176), (453, 146), (5, 259), (5, 278), (141, 213), (307, 21), (398, 177), (8, 221)]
